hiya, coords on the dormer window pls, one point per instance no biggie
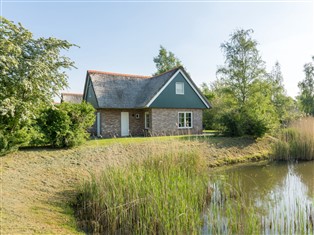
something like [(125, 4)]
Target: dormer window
[(179, 88)]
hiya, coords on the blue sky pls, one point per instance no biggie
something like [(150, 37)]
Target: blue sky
[(125, 36)]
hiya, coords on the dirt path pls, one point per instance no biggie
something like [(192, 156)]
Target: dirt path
[(37, 186)]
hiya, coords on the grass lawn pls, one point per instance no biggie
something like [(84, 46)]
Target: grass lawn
[(39, 184)]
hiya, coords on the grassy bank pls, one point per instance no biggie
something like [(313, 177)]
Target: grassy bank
[(296, 142), (39, 184)]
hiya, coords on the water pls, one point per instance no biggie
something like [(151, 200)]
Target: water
[(262, 198)]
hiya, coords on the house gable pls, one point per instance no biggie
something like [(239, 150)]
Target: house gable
[(167, 97), (89, 93)]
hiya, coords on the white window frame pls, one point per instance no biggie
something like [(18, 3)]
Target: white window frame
[(185, 127), (145, 115), (179, 91)]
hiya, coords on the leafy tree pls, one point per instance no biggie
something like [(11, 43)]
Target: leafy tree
[(284, 105), (65, 125), (306, 97), (243, 89), (208, 121), (243, 65), (166, 61), (31, 74)]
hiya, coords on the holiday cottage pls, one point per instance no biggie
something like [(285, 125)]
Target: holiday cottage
[(132, 105)]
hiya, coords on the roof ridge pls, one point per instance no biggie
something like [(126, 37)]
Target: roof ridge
[(167, 71), (117, 74)]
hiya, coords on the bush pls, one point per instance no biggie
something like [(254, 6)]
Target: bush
[(233, 124), (238, 123), (11, 141), (65, 125)]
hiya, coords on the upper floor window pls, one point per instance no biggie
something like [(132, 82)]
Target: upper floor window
[(179, 88)]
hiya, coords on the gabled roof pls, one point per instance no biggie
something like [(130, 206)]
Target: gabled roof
[(115, 90), (71, 97)]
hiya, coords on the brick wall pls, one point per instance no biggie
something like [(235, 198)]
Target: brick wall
[(111, 122), (162, 122), (165, 122)]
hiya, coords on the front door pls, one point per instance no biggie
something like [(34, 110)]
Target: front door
[(98, 127), (124, 123)]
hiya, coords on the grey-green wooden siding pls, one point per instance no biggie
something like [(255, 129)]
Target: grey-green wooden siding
[(91, 97), (169, 99)]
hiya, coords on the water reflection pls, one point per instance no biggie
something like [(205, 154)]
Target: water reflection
[(267, 199)]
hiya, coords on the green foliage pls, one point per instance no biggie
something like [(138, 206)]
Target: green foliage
[(166, 61), (306, 86), (31, 74), (10, 141), (239, 123), (246, 100), (208, 117), (243, 65), (285, 106), (163, 195), (65, 125)]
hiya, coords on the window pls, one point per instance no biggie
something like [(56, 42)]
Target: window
[(179, 88), (147, 123), (185, 120)]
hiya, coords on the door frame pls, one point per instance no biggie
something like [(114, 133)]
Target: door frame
[(125, 124), (98, 125)]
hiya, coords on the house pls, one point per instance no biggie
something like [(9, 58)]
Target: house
[(133, 105), (71, 97)]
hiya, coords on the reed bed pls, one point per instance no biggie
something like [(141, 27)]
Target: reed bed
[(162, 195), (296, 142)]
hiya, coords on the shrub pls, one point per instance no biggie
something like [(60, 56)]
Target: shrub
[(65, 125), (11, 141), (238, 123), (233, 124)]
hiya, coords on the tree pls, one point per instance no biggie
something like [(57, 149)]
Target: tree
[(208, 122), (284, 105), (166, 61), (32, 72), (243, 88), (243, 64), (306, 97)]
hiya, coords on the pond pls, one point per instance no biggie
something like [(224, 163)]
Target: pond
[(265, 198)]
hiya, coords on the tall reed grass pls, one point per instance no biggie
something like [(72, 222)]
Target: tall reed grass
[(163, 195), (296, 142)]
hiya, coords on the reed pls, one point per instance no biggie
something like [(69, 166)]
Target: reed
[(162, 195), (296, 142)]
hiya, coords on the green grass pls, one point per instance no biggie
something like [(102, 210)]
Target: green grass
[(163, 195), (129, 140), (296, 142)]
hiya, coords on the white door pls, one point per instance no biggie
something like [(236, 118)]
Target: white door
[(98, 124), (124, 123)]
